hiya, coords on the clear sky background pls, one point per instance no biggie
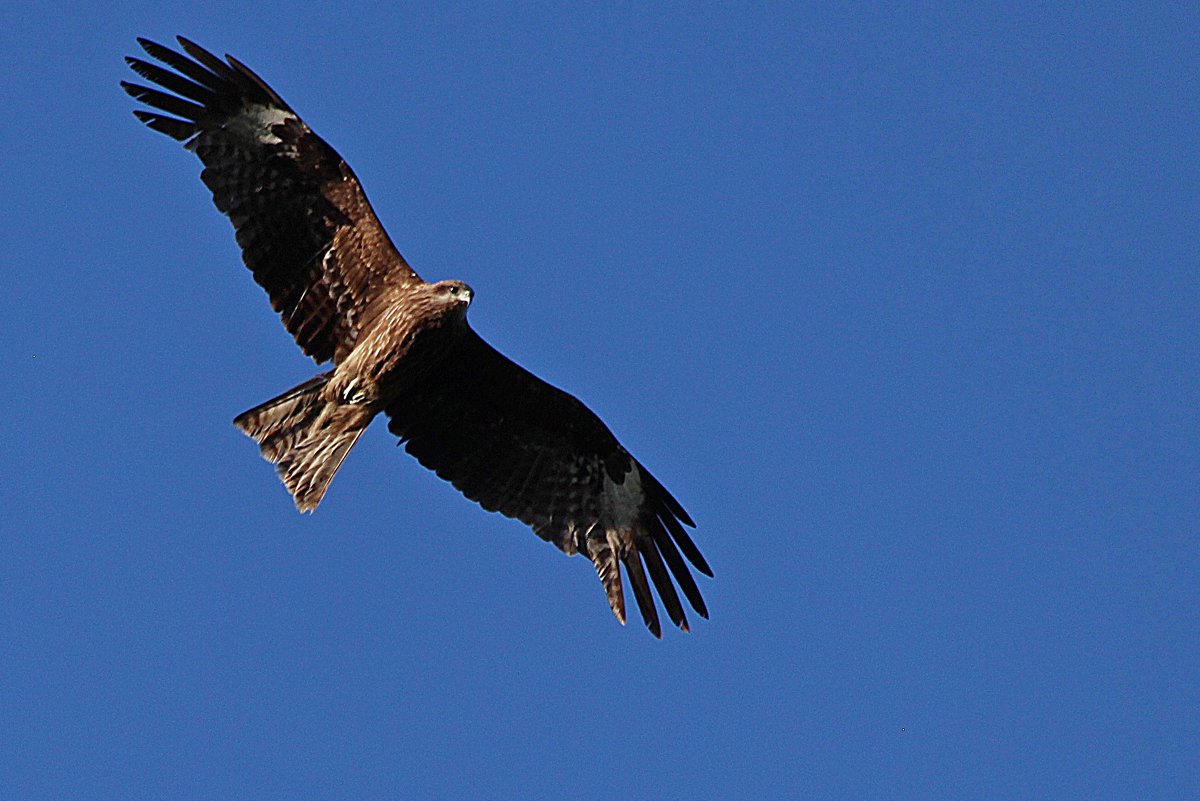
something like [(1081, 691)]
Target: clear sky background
[(901, 304)]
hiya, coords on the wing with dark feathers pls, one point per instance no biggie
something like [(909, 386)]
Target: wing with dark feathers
[(302, 220), (528, 450)]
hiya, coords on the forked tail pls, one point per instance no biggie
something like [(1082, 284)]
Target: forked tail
[(305, 437)]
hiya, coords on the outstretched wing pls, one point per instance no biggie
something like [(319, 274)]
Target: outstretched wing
[(303, 222), (528, 450)]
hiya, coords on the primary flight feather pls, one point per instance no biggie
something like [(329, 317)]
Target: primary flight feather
[(402, 346)]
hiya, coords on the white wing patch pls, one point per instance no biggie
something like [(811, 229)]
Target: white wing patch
[(622, 502), (256, 121)]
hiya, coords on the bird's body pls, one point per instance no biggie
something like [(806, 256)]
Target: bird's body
[(410, 328), (308, 431), (402, 346)]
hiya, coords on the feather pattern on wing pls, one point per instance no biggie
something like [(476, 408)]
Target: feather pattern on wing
[(521, 447), (306, 229)]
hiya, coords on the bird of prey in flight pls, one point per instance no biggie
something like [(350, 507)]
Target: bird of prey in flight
[(402, 346)]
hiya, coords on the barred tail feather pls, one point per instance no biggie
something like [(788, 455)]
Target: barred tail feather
[(305, 437)]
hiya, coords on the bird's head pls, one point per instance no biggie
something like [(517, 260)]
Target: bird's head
[(453, 296)]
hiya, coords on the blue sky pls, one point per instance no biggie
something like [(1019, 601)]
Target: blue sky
[(901, 303)]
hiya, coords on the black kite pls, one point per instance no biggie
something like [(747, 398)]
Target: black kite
[(402, 346)]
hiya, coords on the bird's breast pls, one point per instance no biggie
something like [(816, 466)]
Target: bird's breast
[(399, 349)]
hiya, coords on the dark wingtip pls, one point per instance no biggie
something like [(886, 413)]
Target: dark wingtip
[(662, 582), (188, 44), (672, 513), (176, 129), (642, 592), (262, 85), (663, 545), (678, 511), (668, 500), (685, 542)]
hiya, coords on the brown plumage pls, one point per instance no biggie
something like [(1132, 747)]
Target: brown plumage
[(402, 346)]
